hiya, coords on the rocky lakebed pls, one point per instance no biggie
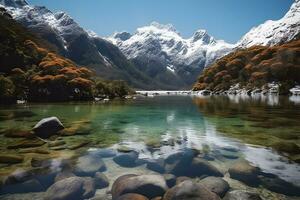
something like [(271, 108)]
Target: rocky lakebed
[(55, 162)]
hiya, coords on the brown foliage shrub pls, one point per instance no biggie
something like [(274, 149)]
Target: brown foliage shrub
[(254, 67)]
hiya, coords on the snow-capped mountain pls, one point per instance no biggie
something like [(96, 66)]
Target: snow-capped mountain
[(155, 56), (169, 41), (72, 41), (15, 4), (58, 28), (162, 45), (275, 32)]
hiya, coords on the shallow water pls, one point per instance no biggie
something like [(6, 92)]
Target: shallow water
[(259, 129)]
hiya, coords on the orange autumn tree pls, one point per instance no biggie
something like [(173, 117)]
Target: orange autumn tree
[(59, 79), (254, 67), (31, 70)]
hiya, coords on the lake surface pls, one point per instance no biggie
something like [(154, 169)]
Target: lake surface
[(265, 131)]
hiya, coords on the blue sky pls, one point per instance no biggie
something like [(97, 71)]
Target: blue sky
[(223, 19)]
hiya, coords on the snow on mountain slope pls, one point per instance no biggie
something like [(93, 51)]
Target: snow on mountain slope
[(157, 51), (37, 16), (275, 32), (15, 4), (162, 47), (164, 41)]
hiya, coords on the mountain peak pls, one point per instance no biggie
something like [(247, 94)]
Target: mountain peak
[(123, 36), (168, 27), (294, 10), (274, 32), (14, 3), (203, 36)]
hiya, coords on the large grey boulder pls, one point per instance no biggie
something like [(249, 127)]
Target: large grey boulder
[(71, 188), (148, 185), (201, 167), (101, 180), (32, 185), (216, 185), (88, 165), (127, 159), (179, 163), (187, 164), (132, 196), (189, 190), (244, 172), (18, 176), (47, 127), (156, 165)]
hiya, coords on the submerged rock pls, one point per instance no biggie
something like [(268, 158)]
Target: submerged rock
[(76, 129), (148, 185), (48, 127), (132, 196), (230, 149), (34, 150), (63, 175), (216, 185), (32, 185), (157, 198), (170, 179), (241, 195), (10, 158), (200, 167), (127, 159), (41, 162), (189, 190), (244, 172), (79, 144), (186, 164), (18, 176), (169, 142), (56, 143), (17, 133), (179, 163), (26, 144), (278, 185), (156, 165), (104, 153), (24, 196), (71, 188), (58, 148), (229, 154), (153, 144), (124, 149), (101, 180), (88, 165), (181, 179)]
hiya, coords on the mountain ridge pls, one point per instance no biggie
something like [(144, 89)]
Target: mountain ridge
[(273, 32), (162, 47), (155, 56), (75, 43)]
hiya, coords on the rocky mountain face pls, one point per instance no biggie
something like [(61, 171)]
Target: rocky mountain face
[(275, 32), (159, 49), (155, 56), (72, 41), (266, 55), (162, 53), (254, 69)]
